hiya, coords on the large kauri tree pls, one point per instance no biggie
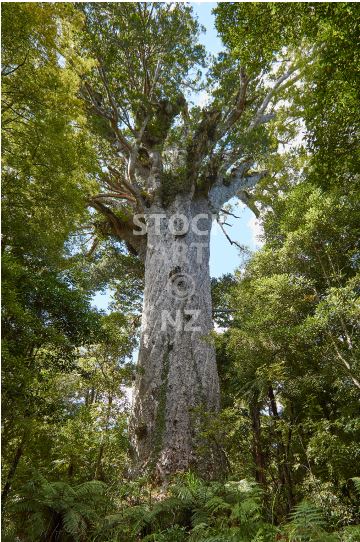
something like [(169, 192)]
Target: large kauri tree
[(166, 168)]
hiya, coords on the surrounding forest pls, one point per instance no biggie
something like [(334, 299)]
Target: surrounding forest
[(98, 124)]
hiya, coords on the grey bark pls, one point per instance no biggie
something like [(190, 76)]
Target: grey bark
[(177, 387)]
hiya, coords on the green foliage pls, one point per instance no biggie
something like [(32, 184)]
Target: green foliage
[(307, 522), (193, 511), (290, 356), (289, 360), (46, 317), (64, 364), (48, 510), (43, 130), (189, 511)]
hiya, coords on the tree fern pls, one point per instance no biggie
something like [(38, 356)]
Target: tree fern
[(308, 524), (45, 507)]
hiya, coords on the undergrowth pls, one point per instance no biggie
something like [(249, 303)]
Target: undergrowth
[(190, 510)]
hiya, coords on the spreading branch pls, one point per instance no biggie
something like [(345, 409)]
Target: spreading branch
[(228, 186), (131, 187), (121, 228), (114, 119), (260, 117), (8, 71), (240, 103), (115, 195)]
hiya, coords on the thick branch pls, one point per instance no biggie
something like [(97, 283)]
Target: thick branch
[(115, 195), (131, 187), (260, 117), (133, 158), (95, 100), (227, 187), (122, 229)]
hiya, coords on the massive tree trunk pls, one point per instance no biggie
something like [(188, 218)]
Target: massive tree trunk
[(161, 146), (177, 386)]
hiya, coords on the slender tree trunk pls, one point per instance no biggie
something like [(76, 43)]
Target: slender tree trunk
[(282, 459), (99, 472), (7, 486), (177, 382), (257, 450)]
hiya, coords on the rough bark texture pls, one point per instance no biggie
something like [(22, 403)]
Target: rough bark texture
[(177, 382)]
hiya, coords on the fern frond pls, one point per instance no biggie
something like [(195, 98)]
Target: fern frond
[(89, 489), (72, 523), (350, 534), (356, 481), (308, 524), (307, 515), (217, 504)]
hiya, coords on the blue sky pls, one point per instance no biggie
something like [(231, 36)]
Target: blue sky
[(224, 257), (211, 40)]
